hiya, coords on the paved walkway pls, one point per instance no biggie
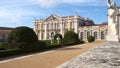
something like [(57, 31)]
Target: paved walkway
[(49, 59)]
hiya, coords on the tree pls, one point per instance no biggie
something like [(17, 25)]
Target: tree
[(23, 37)]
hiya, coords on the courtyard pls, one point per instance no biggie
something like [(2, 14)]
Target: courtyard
[(49, 59)]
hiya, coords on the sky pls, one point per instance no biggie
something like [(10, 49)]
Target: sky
[(14, 13)]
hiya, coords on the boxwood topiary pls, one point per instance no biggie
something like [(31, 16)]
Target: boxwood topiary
[(90, 39), (23, 37), (58, 35), (71, 36)]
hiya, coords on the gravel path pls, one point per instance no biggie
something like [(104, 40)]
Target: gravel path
[(49, 59), (104, 56)]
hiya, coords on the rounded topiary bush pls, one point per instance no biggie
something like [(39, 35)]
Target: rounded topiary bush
[(58, 35), (90, 39), (23, 37), (71, 36)]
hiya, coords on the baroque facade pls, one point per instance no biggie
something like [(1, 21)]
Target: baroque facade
[(47, 28)]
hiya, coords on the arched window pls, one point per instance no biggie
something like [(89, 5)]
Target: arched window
[(88, 33), (52, 35), (95, 35), (102, 35)]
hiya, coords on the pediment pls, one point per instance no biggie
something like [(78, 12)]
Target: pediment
[(52, 17)]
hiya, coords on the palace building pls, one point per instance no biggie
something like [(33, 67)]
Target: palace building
[(47, 28), (4, 32)]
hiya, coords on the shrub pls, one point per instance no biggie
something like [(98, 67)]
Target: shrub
[(71, 36), (52, 46), (90, 39), (57, 35), (81, 40), (5, 53), (23, 37), (42, 44), (1, 47)]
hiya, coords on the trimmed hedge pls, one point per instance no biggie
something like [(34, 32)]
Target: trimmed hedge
[(43, 46), (1, 47), (52, 46), (10, 52)]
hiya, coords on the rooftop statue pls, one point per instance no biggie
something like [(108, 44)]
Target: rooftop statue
[(111, 5)]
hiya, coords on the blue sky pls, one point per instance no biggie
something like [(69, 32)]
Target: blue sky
[(15, 13)]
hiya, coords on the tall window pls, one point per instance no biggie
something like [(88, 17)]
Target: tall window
[(3, 37), (51, 25), (42, 36), (88, 33), (72, 25), (95, 35), (58, 26), (64, 25), (91, 32), (102, 35), (81, 34), (47, 27), (84, 33), (43, 27), (52, 35)]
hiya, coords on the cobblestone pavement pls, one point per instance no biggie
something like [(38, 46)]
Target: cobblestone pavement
[(49, 59), (104, 56)]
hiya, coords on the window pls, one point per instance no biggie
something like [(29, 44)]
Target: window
[(47, 27), (42, 36), (102, 35), (91, 32), (58, 26), (72, 25), (95, 35), (43, 27), (81, 35), (47, 35), (52, 35), (85, 33), (88, 33), (64, 25), (51, 25), (3, 37)]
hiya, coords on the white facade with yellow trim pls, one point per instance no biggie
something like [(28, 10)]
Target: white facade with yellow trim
[(46, 28)]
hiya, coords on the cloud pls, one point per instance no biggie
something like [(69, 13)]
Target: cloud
[(50, 3), (53, 3), (46, 3), (16, 19)]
